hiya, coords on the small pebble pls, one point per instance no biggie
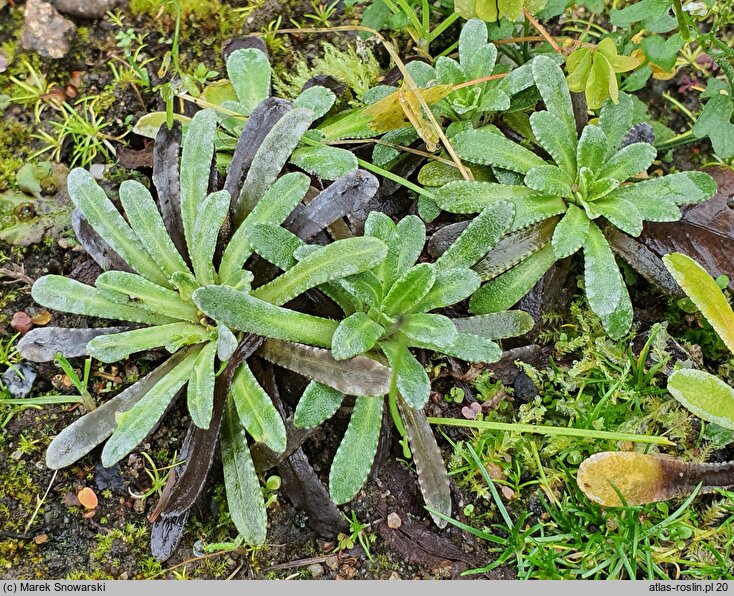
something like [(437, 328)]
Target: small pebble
[(332, 563), (97, 171), (395, 576), (315, 570), (394, 521), (525, 389), (21, 322), (41, 539)]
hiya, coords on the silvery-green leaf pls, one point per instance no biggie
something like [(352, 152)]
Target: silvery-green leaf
[(683, 188), (601, 275), (451, 286), (549, 180), (139, 421), (615, 119), (318, 403), (67, 295), (421, 73), (621, 213), (356, 452), (106, 220), (531, 210), (210, 216), (411, 378), (249, 72), (365, 287), (628, 161), (570, 233), (409, 289), (186, 285), (473, 348), (256, 410), (147, 223), (601, 188), (384, 154), (200, 390), (328, 163), (355, 335), (551, 83), (274, 244), (506, 290), (412, 234), (494, 100), (484, 146), (196, 159), (468, 196), (546, 128), (112, 348), (226, 343), (707, 396), (423, 328), (592, 148), (617, 323), (448, 71), (244, 495), (499, 325), (317, 99), (378, 225), (518, 79)]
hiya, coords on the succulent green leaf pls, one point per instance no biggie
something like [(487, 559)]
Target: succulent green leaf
[(479, 237), (270, 158), (147, 223), (628, 161), (249, 72), (275, 244), (196, 160), (365, 287), (412, 234), (409, 289), (245, 313), (318, 403), (106, 220), (601, 275), (328, 163), (378, 225), (186, 285), (703, 291), (592, 148), (518, 79), (449, 72), (139, 421), (118, 346), (498, 325), (546, 127), (504, 291), (707, 396), (463, 196), (621, 213), (484, 146), (553, 89), (451, 286), (421, 328), (317, 99), (476, 56), (355, 335), (334, 261), (683, 188), (200, 391), (244, 495), (256, 410), (615, 120), (226, 343), (67, 295), (473, 348), (617, 323), (570, 233), (211, 214), (601, 188), (356, 452), (549, 180), (411, 378), (531, 210), (146, 295)]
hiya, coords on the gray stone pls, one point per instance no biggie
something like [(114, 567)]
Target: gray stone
[(18, 379), (86, 9), (45, 31)]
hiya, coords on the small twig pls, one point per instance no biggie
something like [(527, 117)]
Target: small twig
[(40, 502), (542, 31), (16, 275)]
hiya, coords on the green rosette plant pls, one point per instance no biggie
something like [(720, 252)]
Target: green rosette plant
[(567, 199)]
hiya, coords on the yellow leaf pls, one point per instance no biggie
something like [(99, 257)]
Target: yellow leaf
[(389, 113)]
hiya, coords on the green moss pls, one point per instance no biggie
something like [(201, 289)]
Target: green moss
[(199, 9), (14, 138)]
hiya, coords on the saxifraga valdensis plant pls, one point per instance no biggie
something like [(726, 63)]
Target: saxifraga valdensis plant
[(388, 311), (576, 200), (155, 263)]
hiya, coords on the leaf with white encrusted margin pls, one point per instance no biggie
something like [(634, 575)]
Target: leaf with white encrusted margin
[(139, 421), (106, 220), (318, 99), (249, 72), (256, 410), (411, 378), (602, 278), (451, 286), (118, 346), (498, 325), (244, 495), (328, 163), (409, 289), (628, 161), (707, 396), (422, 328), (486, 147), (570, 233), (553, 88), (356, 452), (412, 233), (318, 403), (200, 390), (355, 335), (546, 127)]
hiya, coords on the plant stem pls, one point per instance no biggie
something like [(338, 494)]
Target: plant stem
[(677, 141), (685, 32)]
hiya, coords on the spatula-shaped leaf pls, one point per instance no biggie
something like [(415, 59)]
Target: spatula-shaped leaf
[(210, 216), (422, 328), (328, 163), (484, 146), (592, 148), (147, 223), (275, 244), (334, 261), (707, 396), (226, 343), (409, 289), (499, 325), (412, 234), (357, 376), (466, 196), (270, 159), (196, 159), (149, 296), (200, 391), (546, 128), (621, 213), (432, 476), (249, 72), (479, 237), (506, 290), (83, 435), (601, 275), (244, 495), (412, 379), (139, 421), (356, 452), (378, 225), (318, 403), (355, 335), (256, 410), (365, 287), (106, 220), (704, 293), (615, 119), (628, 161), (617, 323), (451, 286), (551, 83), (67, 295), (473, 348), (245, 313), (570, 233), (111, 348)]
